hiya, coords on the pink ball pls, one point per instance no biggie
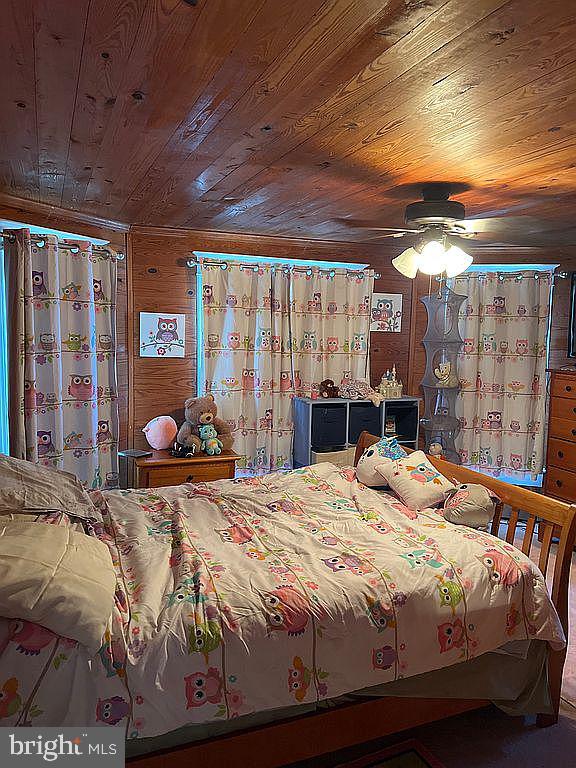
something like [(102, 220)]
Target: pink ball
[(161, 432)]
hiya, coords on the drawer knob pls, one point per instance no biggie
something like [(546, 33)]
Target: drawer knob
[(568, 388), (559, 483), (560, 454), (189, 478), (574, 432)]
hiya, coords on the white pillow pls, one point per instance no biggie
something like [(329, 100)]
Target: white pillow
[(58, 578), (381, 452), (416, 481), (31, 488)]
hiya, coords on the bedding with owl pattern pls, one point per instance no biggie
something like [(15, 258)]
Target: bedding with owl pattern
[(246, 595)]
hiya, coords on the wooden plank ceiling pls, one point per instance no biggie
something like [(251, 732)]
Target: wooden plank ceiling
[(284, 118)]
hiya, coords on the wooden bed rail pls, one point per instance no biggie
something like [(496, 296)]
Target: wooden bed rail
[(553, 518)]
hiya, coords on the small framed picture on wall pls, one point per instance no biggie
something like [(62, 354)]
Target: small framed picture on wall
[(386, 312), (162, 335)]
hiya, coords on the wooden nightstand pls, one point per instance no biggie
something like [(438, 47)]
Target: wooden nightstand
[(163, 469)]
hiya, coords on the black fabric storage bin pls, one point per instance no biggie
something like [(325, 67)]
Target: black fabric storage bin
[(328, 426), (364, 416)]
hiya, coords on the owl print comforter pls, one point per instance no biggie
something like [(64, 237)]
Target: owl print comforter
[(246, 595)]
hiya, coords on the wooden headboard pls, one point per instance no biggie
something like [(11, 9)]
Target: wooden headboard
[(554, 519)]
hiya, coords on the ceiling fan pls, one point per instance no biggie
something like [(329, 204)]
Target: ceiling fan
[(438, 227)]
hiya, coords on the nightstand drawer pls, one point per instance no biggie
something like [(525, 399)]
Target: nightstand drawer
[(161, 469), (561, 454), (195, 473), (561, 483)]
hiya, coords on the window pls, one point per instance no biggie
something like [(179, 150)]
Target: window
[(505, 325), (235, 257), (4, 226), (4, 436)]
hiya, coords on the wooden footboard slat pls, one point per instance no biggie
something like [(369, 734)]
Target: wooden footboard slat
[(496, 519), (512, 523), (528, 536), (545, 547)]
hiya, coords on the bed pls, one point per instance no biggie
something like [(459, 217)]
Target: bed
[(274, 612)]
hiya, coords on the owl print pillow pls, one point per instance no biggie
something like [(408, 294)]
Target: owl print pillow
[(415, 480), (387, 449), (470, 504)]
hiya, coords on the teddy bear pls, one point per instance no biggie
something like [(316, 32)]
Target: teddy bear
[(328, 389), (210, 442), (199, 411)]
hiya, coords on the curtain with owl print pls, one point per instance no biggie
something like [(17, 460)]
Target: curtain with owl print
[(63, 397), (272, 332), (247, 359), (502, 368), (330, 326)]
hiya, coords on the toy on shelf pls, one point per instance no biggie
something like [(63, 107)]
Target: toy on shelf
[(210, 442), (328, 389), (360, 390), (435, 449), (390, 426), (441, 384), (390, 386), (160, 432), (198, 412)]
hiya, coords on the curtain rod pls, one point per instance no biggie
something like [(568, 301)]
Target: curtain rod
[(502, 275), (40, 241), (193, 263)]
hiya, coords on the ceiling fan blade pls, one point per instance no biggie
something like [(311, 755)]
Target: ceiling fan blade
[(520, 224), (364, 224), (394, 235), (542, 240)]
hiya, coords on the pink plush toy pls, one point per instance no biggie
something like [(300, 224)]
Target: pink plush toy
[(161, 432)]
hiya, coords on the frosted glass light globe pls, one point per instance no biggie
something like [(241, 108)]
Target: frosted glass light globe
[(407, 262), (432, 259), (457, 261)]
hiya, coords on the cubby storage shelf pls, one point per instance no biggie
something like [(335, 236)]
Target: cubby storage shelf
[(335, 423)]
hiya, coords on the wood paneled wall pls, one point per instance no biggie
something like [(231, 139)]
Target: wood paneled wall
[(161, 282), (154, 278)]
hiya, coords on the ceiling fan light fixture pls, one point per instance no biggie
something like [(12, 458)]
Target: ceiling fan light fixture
[(457, 261), (407, 262), (432, 259)]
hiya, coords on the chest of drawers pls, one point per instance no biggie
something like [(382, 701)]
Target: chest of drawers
[(560, 477)]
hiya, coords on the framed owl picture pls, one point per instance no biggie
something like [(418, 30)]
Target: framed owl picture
[(162, 335), (386, 312)]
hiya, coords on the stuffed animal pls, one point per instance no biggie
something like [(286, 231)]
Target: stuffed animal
[(199, 411), (435, 449), (360, 390), (210, 443), (470, 504), (328, 389), (161, 432), (183, 451)]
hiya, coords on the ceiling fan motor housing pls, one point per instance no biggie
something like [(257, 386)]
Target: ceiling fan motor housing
[(426, 212)]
